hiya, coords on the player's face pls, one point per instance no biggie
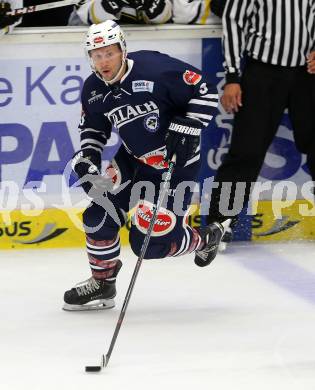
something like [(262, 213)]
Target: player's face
[(107, 61)]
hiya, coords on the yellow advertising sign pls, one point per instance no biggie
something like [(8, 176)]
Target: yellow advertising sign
[(275, 221), (52, 228), (57, 228)]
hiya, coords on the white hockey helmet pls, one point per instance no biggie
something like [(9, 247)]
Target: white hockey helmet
[(105, 34)]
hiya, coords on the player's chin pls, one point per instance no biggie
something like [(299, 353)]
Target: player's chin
[(107, 75)]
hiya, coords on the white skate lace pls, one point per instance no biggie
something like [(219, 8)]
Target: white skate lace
[(86, 287)]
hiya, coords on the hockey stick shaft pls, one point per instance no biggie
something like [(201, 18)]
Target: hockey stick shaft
[(165, 186), (42, 7)]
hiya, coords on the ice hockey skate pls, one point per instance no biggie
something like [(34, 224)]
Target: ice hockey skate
[(212, 235), (227, 236), (92, 294)]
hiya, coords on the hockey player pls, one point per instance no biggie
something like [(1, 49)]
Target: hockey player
[(160, 106), (7, 23), (193, 12), (217, 7), (143, 11), (126, 11)]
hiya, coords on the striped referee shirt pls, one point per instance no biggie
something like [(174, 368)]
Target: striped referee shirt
[(278, 32)]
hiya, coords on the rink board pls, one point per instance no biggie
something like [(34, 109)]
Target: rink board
[(57, 228), (275, 221), (41, 76), (53, 228)]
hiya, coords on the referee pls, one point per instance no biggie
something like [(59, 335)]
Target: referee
[(276, 38)]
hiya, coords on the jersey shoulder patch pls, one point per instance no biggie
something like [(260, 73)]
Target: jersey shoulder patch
[(191, 78)]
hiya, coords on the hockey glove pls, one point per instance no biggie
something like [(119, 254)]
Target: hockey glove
[(113, 7), (6, 20), (182, 138), (217, 7), (152, 8), (86, 164)]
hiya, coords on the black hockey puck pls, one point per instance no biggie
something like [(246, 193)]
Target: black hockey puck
[(93, 368)]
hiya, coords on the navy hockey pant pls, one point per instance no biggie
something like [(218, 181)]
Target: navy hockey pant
[(171, 235)]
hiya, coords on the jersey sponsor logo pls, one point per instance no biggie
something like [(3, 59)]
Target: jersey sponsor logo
[(122, 115), (191, 78), (95, 97), (151, 122), (142, 86), (165, 221)]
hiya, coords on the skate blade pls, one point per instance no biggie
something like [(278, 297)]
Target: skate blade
[(222, 246), (101, 304)]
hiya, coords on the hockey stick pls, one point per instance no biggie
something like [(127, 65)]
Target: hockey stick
[(165, 186), (43, 7)]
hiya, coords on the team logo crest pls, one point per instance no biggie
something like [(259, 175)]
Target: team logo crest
[(151, 122), (191, 78)]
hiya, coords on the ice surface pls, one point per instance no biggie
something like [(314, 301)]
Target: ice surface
[(245, 322)]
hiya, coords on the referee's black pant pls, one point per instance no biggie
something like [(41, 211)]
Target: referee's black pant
[(267, 90)]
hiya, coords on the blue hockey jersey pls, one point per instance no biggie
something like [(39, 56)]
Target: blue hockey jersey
[(155, 88)]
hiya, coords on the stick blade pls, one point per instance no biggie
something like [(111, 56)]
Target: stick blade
[(93, 368), (96, 368)]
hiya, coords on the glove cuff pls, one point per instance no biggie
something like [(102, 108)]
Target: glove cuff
[(90, 158), (185, 125)]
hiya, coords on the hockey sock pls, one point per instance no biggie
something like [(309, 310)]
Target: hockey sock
[(190, 242), (102, 256)]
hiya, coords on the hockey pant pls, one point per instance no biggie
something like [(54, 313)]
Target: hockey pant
[(171, 235)]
